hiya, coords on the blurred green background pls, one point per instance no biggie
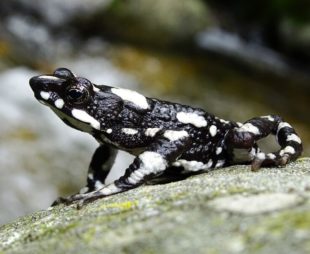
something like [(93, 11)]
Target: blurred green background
[(236, 59)]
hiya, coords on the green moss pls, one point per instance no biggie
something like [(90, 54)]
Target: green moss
[(303, 160), (237, 190), (122, 206), (88, 235), (172, 198), (290, 220), (167, 218), (277, 226), (45, 231)]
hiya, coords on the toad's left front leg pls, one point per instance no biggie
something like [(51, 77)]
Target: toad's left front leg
[(150, 163)]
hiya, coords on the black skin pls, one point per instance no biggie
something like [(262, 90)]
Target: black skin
[(123, 123)]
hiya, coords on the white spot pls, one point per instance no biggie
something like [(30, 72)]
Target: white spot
[(261, 156), (135, 178), (98, 185), (90, 176), (271, 156), (218, 150), (209, 164), (252, 153), (192, 165), (152, 162), (248, 127), (175, 135), (283, 125), (224, 121), (110, 189), (189, 165), (239, 124), (219, 164), (138, 174), (288, 149), (59, 103), (48, 77), (213, 130), (151, 132), (96, 89), (129, 131), (109, 131), (192, 118), (45, 95), (132, 96), (270, 118), (293, 137), (86, 118)]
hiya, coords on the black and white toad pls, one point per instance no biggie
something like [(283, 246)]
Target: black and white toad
[(168, 139)]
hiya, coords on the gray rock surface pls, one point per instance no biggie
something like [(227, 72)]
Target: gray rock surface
[(231, 210)]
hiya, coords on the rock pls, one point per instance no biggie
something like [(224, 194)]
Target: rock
[(256, 204), (180, 217)]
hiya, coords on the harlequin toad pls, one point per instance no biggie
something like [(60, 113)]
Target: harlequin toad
[(167, 138)]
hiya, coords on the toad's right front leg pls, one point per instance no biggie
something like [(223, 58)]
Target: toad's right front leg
[(98, 171)]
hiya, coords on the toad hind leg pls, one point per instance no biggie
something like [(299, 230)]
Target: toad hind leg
[(246, 136)]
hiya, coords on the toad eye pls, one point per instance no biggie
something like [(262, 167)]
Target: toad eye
[(63, 73), (77, 95)]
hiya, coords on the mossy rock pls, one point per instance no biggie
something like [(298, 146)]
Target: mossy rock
[(180, 217)]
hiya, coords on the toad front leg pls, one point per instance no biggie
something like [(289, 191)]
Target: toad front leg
[(98, 171), (150, 163)]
